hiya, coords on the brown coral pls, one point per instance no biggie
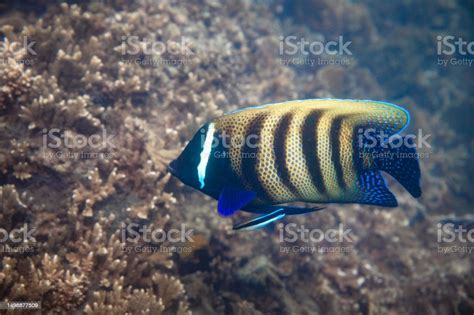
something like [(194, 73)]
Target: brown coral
[(81, 200)]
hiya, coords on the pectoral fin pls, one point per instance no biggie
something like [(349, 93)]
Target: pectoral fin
[(231, 200)]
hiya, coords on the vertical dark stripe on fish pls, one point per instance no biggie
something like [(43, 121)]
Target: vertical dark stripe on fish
[(310, 149), (250, 157), (358, 150), (280, 150), (335, 144)]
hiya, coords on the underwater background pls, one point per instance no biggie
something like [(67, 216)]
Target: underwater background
[(97, 97)]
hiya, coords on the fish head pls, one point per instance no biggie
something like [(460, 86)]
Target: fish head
[(185, 166), (197, 166)]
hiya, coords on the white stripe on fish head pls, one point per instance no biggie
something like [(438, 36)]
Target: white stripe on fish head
[(205, 155)]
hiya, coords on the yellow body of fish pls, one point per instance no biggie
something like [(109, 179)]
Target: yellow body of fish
[(305, 150)]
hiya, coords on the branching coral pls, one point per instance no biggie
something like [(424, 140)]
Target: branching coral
[(122, 300), (96, 191), (82, 200), (15, 80), (48, 282)]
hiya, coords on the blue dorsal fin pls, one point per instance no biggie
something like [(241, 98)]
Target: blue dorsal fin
[(231, 200), (374, 191)]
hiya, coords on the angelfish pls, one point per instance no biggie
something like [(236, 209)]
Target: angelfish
[(315, 151)]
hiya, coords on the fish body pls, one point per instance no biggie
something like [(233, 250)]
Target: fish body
[(317, 151)]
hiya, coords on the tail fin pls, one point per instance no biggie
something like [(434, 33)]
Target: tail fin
[(401, 162)]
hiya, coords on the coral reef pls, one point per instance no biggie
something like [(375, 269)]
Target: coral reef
[(91, 114)]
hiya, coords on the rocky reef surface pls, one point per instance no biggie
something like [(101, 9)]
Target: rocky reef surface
[(88, 127)]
